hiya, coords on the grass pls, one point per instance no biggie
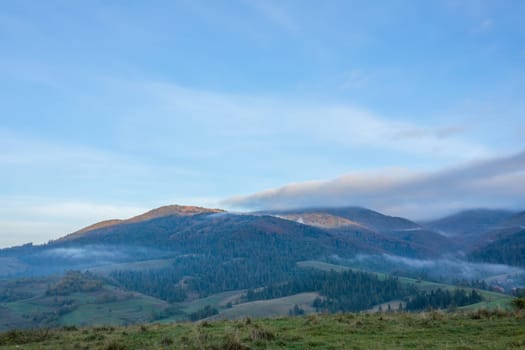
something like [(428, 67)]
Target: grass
[(109, 305), (434, 330), (114, 313), (218, 300), (269, 308)]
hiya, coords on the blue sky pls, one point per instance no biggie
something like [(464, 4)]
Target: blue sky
[(110, 108)]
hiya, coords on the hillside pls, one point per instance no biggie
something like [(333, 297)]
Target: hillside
[(509, 249), (434, 330), (74, 299), (185, 263), (213, 233), (363, 217), (516, 220), (168, 210), (469, 222), (176, 289), (377, 232)]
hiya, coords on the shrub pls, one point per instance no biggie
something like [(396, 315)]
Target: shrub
[(232, 342), (258, 334), (166, 341), (518, 303), (26, 336), (115, 345)]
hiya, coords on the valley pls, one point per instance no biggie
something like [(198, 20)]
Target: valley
[(176, 264)]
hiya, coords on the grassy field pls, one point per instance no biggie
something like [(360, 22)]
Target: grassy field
[(472, 330), (120, 312), (269, 308), (108, 305), (218, 300)]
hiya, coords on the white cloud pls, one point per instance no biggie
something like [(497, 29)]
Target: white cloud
[(496, 182), (255, 119)]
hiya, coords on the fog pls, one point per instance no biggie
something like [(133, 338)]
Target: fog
[(445, 269), (35, 261)]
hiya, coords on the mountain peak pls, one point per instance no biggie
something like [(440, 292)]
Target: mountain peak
[(167, 210), (180, 210)]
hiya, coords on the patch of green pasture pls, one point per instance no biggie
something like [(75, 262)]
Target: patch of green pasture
[(218, 300), (269, 308), (114, 313), (23, 307)]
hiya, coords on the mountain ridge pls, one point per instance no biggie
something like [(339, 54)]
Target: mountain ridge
[(469, 222), (166, 210)]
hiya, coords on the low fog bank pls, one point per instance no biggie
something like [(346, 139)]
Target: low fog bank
[(40, 262), (94, 255), (444, 269)]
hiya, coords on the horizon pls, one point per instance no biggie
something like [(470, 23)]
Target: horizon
[(110, 110)]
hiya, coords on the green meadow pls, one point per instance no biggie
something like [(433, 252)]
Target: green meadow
[(481, 329)]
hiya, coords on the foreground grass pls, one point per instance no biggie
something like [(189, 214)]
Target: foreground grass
[(475, 330)]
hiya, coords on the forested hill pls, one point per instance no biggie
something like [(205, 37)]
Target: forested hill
[(508, 250), (374, 230), (472, 222), (218, 234)]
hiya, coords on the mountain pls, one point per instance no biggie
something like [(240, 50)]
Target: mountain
[(176, 210), (177, 231), (371, 229), (171, 231), (469, 222), (503, 244), (180, 255), (358, 229), (208, 232), (517, 220), (509, 250), (362, 217)]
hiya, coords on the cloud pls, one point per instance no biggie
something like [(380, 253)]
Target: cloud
[(243, 142), (264, 118), (94, 252), (495, 182)]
